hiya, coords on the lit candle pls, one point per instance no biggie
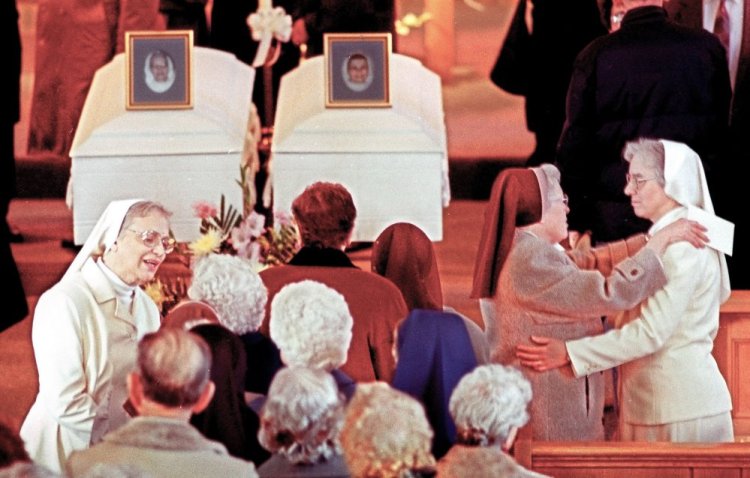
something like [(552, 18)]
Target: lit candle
[(264, 5)]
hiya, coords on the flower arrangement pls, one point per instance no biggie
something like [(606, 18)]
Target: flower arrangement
[(225, 231)]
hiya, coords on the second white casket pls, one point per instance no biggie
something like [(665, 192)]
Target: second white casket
[(392, 160)]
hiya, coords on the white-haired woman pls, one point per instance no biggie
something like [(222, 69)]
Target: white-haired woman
[(312, 327), (488, 406), (226, 289), (529, 286), (671, 386), (300, 423), (386, 434)]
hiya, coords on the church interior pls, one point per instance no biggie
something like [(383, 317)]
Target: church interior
[(485, 132)]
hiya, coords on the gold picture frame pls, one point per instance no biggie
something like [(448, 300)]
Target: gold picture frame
[(159, 71), (357, 67)]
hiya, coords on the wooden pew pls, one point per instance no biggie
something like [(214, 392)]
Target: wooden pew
[(732, 354), (634, 459), (665, 460)]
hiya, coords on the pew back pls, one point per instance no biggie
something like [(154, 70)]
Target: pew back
[(634, 459)]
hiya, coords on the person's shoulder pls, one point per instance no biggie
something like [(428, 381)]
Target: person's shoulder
[(270, 272), (73, 288), (600, 44), (528, 248), (375, 282), (232, 466), (277, 276), (23, 469), (683, 256), (333, 276), (91, 460), (696, 37)]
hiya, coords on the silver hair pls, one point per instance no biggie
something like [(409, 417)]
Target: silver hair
[(143, 209), (174, 366), (302, 415), (651, 152), (488, 403), (230, 285), (311, 325)]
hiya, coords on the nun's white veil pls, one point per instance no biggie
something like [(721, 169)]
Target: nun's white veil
[(103, 235), (685, 182)]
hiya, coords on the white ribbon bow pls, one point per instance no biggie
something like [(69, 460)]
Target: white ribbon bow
[(265, 25)]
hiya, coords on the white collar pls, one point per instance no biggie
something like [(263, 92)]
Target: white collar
[(124, 291)]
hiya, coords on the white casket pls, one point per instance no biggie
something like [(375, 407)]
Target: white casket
[(393, 160), (175, 157)]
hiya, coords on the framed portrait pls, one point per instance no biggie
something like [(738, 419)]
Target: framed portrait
[(357, 69), (159, 70)]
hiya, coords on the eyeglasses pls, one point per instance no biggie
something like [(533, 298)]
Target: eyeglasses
[(151, 239), (563, 199), (636, 181)]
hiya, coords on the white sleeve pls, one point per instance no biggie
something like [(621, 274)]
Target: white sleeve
[(659, 316), (57, 337)]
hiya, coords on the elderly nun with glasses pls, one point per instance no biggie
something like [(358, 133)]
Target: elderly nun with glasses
[(671, 387), (86, 330), (528, 286)]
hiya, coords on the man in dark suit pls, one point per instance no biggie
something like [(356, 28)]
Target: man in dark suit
[(650, 78), (313, 18), (12, 296), (559, 31), (703, 15)]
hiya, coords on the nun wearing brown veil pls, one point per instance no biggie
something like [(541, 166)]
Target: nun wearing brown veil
[(528, 285), (405, 255)]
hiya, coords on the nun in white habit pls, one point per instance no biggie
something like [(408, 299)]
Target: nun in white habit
[(670, 385), (86, 329)]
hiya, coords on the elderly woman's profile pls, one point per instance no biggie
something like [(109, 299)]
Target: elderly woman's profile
[(159, 71)]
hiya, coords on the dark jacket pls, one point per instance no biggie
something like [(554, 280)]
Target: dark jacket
[(561, 30), (652, 78), (227, 419), (340, 16)]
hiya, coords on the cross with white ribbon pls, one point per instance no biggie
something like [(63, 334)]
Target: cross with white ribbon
[(266, 24)]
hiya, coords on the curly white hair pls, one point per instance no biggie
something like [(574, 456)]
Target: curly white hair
[(302, 415), (385, 433), (489, 402), (311, 325), (231, 286)]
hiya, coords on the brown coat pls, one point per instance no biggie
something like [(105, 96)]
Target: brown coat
[(542, 292), (376, 306)]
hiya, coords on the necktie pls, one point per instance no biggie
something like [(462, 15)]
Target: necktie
[(721, 24)]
